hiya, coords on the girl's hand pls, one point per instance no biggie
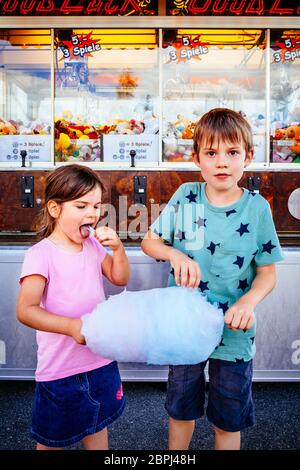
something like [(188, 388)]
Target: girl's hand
[(186, 271), (240, 316), (75, 331), (108, 237)]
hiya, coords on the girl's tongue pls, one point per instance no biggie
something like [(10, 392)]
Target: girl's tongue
[(84, 231)]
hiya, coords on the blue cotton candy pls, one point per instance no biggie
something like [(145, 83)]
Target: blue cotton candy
[(172, 325)]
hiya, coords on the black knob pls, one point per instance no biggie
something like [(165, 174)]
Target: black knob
[(23, 154), (132, 154)]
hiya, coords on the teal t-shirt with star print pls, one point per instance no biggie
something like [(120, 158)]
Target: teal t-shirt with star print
[(228, 243)]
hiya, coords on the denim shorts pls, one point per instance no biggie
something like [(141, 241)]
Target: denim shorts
[(230, 406), (66, 410)]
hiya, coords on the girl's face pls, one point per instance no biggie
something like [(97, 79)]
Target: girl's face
[(222, 163), (72, 217)]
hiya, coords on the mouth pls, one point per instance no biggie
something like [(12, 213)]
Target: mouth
[(84, 230), (222, 175)]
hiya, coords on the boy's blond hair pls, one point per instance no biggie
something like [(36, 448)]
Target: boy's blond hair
[(222, 124)]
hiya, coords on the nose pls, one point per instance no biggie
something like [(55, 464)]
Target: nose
[(221, 160)]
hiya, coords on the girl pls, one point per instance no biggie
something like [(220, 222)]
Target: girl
[(77, 393)]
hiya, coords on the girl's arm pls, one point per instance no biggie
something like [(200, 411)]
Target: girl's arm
[(31, 314), (115, 268)]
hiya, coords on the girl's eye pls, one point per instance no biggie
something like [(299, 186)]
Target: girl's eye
[(233, 153), (80, 207), (211, 154)]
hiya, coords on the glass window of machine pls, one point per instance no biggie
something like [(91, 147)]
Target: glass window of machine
[(204, 69), (25, 95), (106, 95)]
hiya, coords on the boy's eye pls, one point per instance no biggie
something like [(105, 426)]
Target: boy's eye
[(80, 207), (234, 153), (211, 154)]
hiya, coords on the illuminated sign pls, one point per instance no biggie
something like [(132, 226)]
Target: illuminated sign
[(233, 7), (79, 7)]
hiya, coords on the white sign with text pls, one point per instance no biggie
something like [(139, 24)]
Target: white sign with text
[(38, 148), (116, 148)]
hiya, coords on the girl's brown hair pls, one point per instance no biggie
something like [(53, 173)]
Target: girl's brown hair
[(64, 184), (222, 124)]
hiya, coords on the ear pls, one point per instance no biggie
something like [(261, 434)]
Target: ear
[(54, 209), (196, 159), (249, 158)]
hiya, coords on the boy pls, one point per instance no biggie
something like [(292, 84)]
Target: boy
[(234, 267)]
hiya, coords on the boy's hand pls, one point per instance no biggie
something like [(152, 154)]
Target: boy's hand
[(240, 316), (108, 237), (75, 331), (186, 271)]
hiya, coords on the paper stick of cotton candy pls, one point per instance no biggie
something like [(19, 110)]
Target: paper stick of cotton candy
[(172, 325)]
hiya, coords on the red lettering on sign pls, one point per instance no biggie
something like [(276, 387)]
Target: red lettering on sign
[(66, 8), (133, 3), (220, 9), (281, 11), (197, 10), (109, 9), (45, 6), (27, 6), (94, 6), (259, 9), (238, 10), (10, 6)]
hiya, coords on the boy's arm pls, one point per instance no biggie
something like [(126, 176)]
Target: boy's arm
[(115, 268), (241, 314), (186, 271), (31, 314)]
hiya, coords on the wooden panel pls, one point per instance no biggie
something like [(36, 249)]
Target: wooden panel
[(129, 217), (12, 215), (276, 188), (284, 185)]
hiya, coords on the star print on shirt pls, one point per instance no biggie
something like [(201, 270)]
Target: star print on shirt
[(180, 235), (176, 206), (220, 344), (268, 247), (203, 286), (223, 306), (157, 233), (228, 213), (255, 253), (212, 247), (243, 229), (200, 222), (191, 197), (252, 193), (252, 339), (243, 284), (190, 256), (239, 261)]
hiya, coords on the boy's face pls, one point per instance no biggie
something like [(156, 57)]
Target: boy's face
[(222, 163)]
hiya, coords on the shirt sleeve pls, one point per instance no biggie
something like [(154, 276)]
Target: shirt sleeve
[(164, 225), (35, 262), (269, 250)]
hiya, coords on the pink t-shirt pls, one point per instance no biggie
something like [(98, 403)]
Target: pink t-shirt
[(74, 287)]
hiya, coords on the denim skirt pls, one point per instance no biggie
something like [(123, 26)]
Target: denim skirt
[(66, 410)]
